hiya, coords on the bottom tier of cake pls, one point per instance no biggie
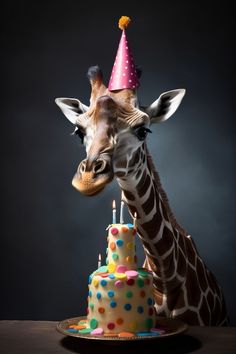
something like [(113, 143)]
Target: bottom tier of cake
[(120, 302)]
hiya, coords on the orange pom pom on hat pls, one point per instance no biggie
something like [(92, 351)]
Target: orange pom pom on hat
[(123, 74)]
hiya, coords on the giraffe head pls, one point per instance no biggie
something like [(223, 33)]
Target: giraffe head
[(113, 130)]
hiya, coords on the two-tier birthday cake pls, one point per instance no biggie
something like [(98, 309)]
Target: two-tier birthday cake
[(120, 295)]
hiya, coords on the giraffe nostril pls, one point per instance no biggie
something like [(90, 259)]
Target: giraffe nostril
[(82, 167), (99, 166)]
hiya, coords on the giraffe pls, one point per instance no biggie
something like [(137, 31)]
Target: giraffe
[(113, 129)]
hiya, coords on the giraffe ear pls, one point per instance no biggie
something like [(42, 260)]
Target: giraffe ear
[(71, 107), (166, 105)]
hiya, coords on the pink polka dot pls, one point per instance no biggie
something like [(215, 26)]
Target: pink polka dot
[(121, 268), (119, 284), (131, 274), (114, 231)]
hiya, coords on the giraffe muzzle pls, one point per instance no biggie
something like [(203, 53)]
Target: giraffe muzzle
[(92, 176)]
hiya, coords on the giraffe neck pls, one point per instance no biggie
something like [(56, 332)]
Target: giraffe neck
[(157, 227)]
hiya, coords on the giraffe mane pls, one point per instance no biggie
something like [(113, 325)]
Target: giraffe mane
[(163, 195)]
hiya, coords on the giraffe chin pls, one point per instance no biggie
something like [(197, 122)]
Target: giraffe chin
[(90, 189)]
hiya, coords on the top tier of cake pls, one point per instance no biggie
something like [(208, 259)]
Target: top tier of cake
[(121, 252)]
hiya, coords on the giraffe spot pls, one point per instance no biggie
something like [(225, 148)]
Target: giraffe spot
[(204, 312), (120, 174), (166, 242), (150, 202), (121, 164), (134, 160), (143, 184), (181, 264), (171, 301), (132, 209), (180, 301), (172, 284), (201, 274), (129, 195), (167, 261), (153, 226), (192, 286)]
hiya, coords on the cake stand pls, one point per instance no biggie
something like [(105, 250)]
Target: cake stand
[(171, 327)]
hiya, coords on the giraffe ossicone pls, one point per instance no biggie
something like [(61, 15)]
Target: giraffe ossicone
[(113, 129)]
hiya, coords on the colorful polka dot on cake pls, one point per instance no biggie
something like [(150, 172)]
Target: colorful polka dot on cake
[(121, 268), (110, 293), (97, 331), (114, 231), (119, 243), (131, 274), (93, 323)]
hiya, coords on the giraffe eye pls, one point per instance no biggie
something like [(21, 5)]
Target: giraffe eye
[(141, 133), (78, 131)]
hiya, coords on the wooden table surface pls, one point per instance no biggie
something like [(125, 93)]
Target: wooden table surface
[(33, 337)]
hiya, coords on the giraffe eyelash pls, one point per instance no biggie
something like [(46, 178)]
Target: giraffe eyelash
[(141, 132)]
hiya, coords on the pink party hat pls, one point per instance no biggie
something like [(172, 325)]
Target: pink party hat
[(123, 74)]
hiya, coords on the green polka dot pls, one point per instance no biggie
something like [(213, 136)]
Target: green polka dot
[(129, 294), (115, 256), (149, 323), (93, 323), (91, 306), (102, 269), (140, 283), (107, 260), (143, 272), (85, 330)]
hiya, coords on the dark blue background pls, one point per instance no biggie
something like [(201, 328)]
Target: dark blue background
[(51, 235)]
